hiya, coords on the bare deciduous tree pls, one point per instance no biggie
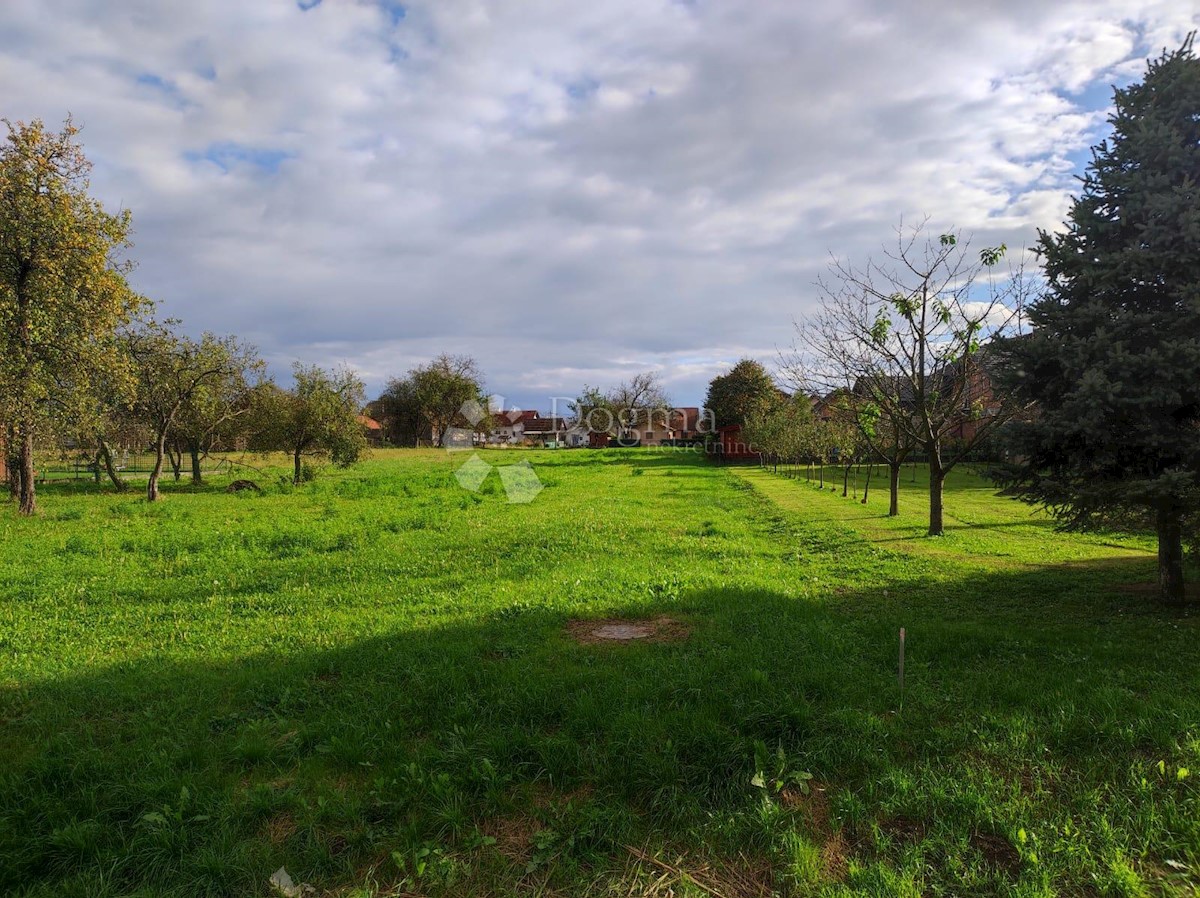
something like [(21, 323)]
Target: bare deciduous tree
[(640, 401), (906, 339)]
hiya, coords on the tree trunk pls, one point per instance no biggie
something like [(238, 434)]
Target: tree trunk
[(11, 463), (105, 456), (1170, 555), (160, 451), (23, 433), (867, 484), (297, 469), (175, 457), (937, 479), (894, 488), (845, 481), (26, 492), (194, 450)]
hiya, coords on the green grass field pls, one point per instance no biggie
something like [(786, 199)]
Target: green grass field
[(374, 681)]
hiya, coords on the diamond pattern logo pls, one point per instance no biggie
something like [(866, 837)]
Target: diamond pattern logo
[(473, 473), (520, 481), (459, 439), (473, 412)]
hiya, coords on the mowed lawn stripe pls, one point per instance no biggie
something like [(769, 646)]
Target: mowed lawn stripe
[(983, 529)]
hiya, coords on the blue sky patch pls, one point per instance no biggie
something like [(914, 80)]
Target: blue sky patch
[(583, 88), (228, 156), (165, 89), (396, 11), (157, 81)]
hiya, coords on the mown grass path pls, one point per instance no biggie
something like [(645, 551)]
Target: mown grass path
[(370, 681), (983, 530)]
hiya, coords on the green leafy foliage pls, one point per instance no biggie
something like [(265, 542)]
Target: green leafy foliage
[(734, 396), (176, 375), (428, 401), (316, 418), (63, 291), (773, 772)]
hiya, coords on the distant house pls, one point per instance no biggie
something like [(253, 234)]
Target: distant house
[(578, 434), (685, 423), (974, 388), (824, 407), (654, 429), (653, 433), (516, 427), (733, 446), (980, 405), (508, 428), (658, 428), (372, 430), (549, 431)]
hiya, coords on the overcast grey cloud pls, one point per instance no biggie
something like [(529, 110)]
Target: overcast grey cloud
[(571, 192)]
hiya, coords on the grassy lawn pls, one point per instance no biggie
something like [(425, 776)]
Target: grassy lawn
[(373, 681)]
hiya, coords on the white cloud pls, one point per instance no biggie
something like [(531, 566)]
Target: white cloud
[(563, 190)]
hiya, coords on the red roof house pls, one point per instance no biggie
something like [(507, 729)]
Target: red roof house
[(372, 429), (733, 445)]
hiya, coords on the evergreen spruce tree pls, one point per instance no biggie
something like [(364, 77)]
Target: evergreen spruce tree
[(1113, 362)]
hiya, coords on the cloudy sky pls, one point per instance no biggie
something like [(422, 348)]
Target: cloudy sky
[(569, 191)]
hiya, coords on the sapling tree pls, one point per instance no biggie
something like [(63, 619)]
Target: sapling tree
[(907, 338), (780, 428), (104, 412), (845, 434), (759, 432)]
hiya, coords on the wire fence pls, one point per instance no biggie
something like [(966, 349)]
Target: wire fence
[(127, 464)]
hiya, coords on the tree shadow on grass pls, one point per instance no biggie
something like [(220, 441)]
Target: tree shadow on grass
[(344, 762), (136, 487)]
